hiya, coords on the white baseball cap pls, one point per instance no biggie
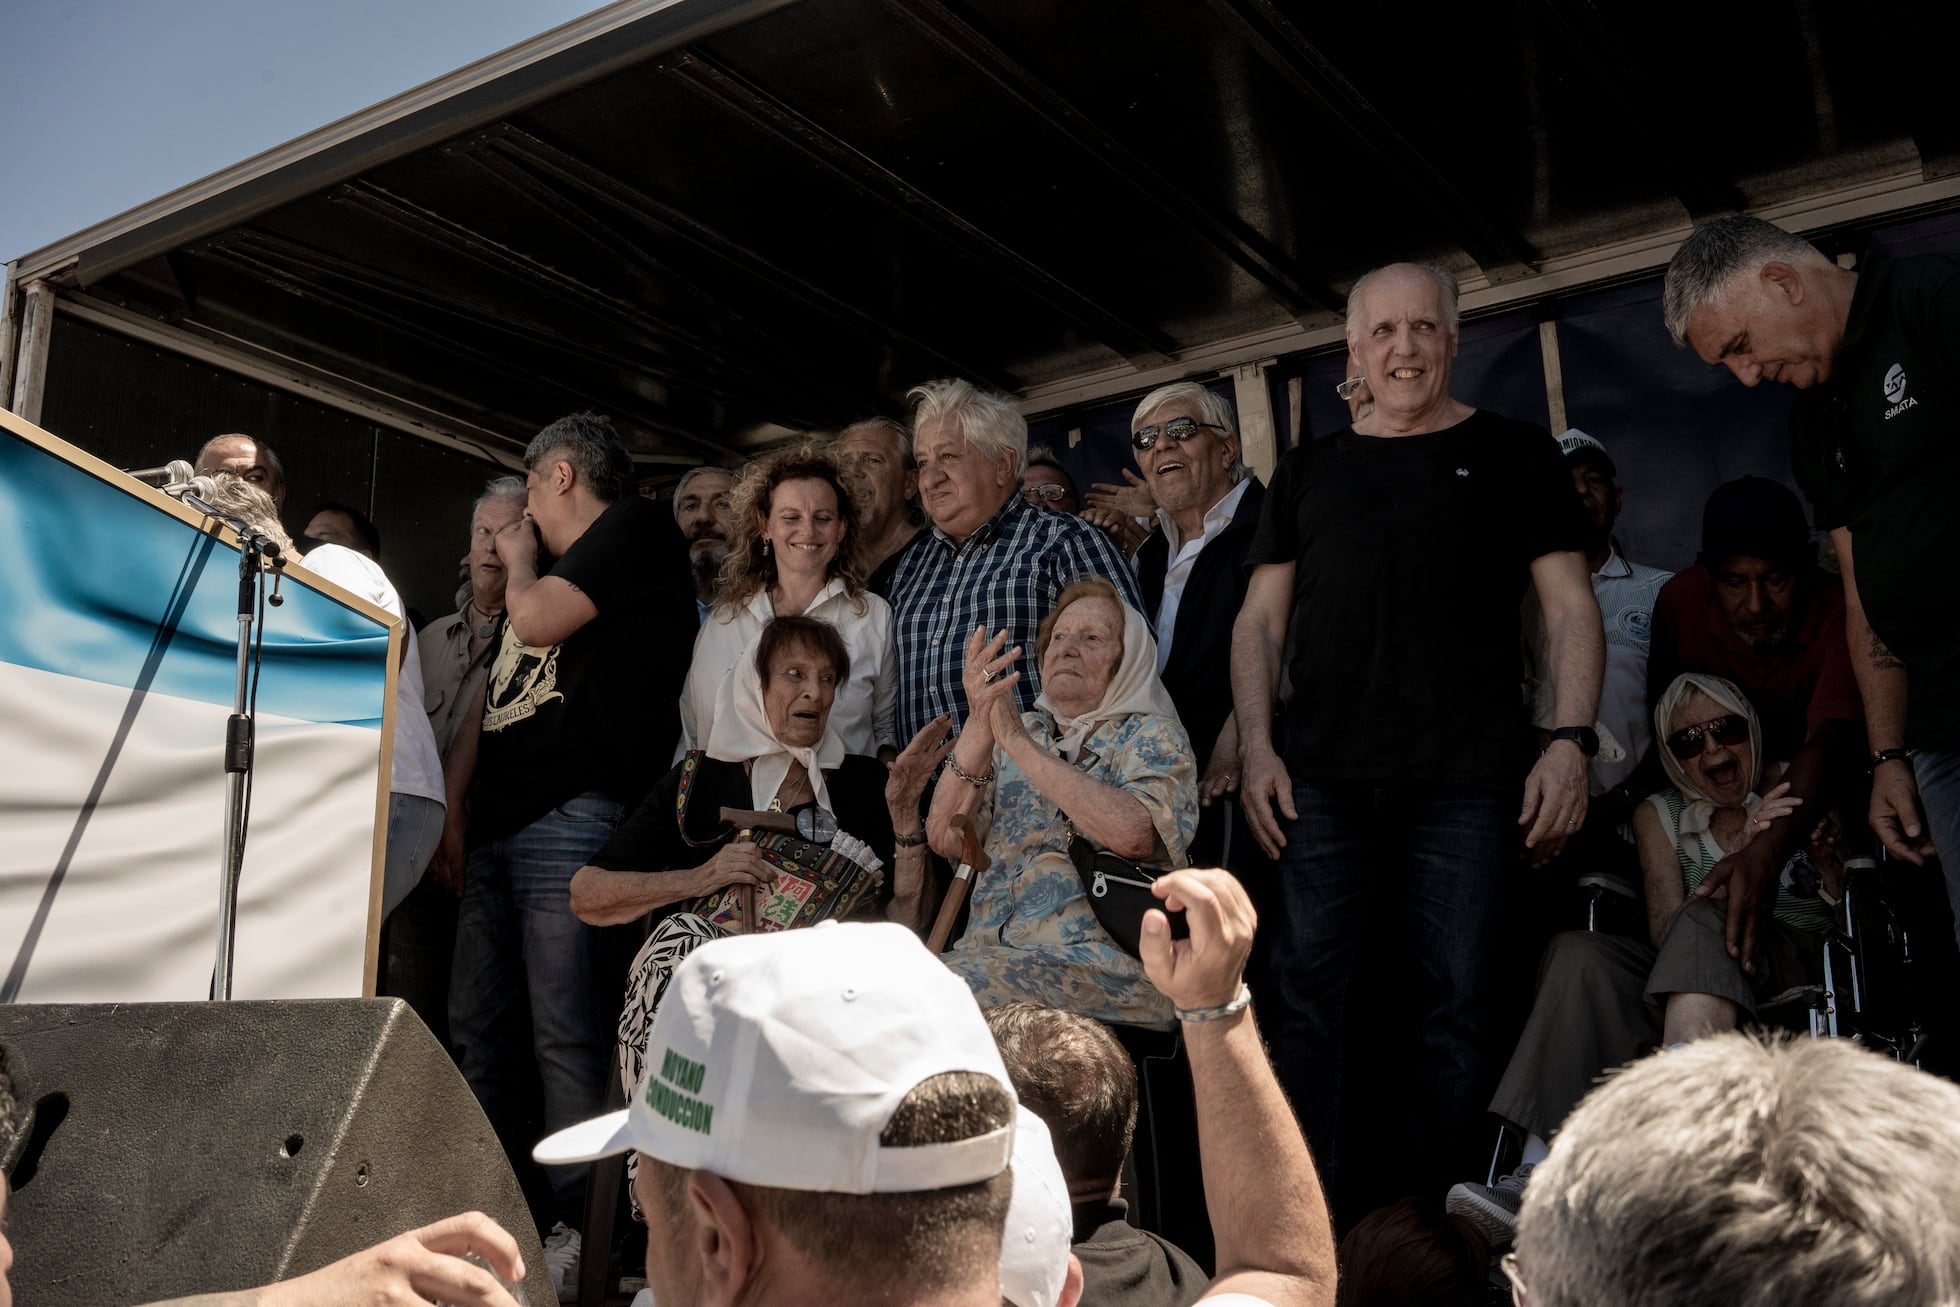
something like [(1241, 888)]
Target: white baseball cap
[(778, 1059), (1034, 1248)]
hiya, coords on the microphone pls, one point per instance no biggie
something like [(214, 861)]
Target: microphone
[(201, 487), (175, 470)]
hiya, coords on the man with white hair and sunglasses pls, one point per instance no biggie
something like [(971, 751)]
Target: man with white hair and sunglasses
[(1191, 569)]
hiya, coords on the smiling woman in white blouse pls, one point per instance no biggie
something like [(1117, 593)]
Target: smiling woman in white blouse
[(794, 552)]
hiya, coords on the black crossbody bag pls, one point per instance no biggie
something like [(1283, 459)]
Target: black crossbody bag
[(1118, 890), (1119, 894)]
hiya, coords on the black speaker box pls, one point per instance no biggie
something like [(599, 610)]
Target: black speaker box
[(185, 1148)]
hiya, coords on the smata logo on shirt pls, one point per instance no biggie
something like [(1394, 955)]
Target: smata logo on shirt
[(1895, 392)]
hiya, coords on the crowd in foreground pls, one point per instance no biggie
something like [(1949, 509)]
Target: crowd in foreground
[(891, 674)]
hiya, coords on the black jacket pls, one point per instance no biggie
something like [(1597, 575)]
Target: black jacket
[(1198, 673)]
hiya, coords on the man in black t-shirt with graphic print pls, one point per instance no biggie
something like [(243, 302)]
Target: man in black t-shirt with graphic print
[(1396, 554), (577, 714)]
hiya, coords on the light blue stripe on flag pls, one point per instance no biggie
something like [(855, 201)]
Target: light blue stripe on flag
[(97, 583)]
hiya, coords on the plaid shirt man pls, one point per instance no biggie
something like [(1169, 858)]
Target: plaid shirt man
[(1008, 573)]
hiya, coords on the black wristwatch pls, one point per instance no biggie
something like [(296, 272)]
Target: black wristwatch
[(1584, 736)]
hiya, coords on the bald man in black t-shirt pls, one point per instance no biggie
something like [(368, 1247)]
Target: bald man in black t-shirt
[(1396, 553)]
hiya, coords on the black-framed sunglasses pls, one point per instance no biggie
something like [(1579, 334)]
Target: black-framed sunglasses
[(1691, 742), (1178, 429)]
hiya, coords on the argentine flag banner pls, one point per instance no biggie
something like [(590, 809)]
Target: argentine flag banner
[(118, 661)]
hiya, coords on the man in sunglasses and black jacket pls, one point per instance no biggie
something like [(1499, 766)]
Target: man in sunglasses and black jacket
[(1756, 609)]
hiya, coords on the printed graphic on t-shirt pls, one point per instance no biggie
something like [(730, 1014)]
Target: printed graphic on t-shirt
[(1636, 624), (522, 680), (1895, 393)]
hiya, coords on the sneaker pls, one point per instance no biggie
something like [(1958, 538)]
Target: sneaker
[(561, 1252), (1493, 1209)]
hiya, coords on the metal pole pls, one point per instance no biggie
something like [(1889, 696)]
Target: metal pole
[(31, 365), (9, 334), (238, 762)]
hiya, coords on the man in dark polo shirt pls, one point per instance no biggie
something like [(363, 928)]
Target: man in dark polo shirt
[(1756, 609), (1397, 553), (579, 712), (1877, 449)]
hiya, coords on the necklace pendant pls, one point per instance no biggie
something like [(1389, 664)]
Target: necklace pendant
[(487, 630)]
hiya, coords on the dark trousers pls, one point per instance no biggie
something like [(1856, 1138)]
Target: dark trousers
[(1425, 864), (418, 948)]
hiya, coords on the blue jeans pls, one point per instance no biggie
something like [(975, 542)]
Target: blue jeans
[(1937, 773), (1428, 861), (515, 933)]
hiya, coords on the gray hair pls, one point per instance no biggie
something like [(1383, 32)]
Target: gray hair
[(503, 487), (1212, 407), (988, 422), (680, 486), (236, 497), (1445, 284), (594, 450), (1735, 1170), (901, 438), (499, 488), (1704, 269)]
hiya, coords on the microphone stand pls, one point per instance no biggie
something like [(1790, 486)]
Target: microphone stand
[(255, 554)]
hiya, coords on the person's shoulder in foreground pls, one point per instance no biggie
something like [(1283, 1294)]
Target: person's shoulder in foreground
[(1742, 1170)]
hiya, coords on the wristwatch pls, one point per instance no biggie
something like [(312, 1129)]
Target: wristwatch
[(1883, 756), (1584, 736)]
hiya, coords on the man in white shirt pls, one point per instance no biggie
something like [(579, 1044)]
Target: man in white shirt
[(1191, 570), (1626, 593)]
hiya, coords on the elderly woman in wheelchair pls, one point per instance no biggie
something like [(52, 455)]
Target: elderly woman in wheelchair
[(1604, 1000)]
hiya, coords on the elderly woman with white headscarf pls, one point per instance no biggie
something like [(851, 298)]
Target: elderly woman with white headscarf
[(858, 843), (1589, 1014), (1103, 756), (1711, 747), (772, 747)]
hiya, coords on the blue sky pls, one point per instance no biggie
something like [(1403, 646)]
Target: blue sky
[(106, 104)]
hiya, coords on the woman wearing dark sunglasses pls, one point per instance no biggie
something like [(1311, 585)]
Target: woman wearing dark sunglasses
[(1589, 1014), (1711, 749)]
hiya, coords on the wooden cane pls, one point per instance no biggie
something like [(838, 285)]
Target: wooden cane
[(746, 820), (973, 859)]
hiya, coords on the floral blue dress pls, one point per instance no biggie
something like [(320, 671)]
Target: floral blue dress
[(1030, 933)]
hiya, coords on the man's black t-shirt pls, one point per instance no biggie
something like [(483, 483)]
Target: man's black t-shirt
[(600, 711), (1411, 556), (1877, 449)]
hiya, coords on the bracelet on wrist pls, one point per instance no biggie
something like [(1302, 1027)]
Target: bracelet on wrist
[(1219, 1013), (915, 840), (967, 776), (1883, 756)]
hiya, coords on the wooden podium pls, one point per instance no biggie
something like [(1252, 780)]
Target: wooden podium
[(118, 656)]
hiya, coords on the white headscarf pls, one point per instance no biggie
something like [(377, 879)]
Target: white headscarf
[(741, 733), (1701, 809), (1133, 688)]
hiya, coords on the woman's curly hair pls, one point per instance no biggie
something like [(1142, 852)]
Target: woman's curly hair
[(747, 570)]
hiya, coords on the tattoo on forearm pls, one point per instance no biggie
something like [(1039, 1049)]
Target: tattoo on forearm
[(1884, 659)]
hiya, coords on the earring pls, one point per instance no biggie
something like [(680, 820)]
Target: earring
[(765, 548)]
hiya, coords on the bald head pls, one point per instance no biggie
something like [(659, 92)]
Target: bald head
[(248, 459)]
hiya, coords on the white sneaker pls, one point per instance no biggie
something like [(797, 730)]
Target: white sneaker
[(561, 1255)]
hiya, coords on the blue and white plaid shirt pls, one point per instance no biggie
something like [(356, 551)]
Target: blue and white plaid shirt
[(1008, 573)]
